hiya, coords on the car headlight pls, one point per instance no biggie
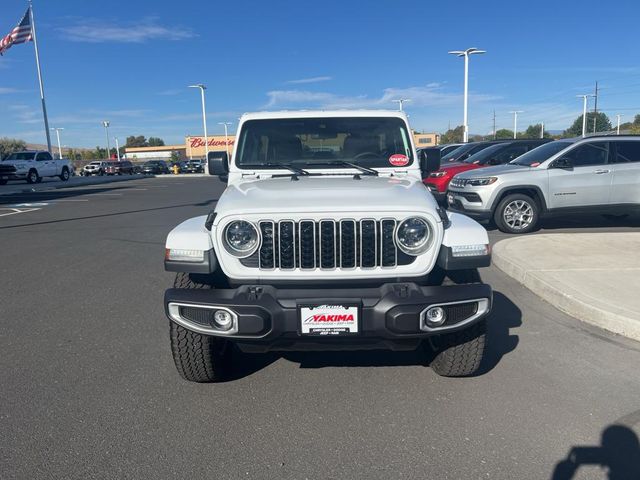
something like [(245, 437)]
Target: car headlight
[(414, 236), (479, 182), (438, 174), (241, 238)]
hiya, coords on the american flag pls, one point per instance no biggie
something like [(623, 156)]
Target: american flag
[(20, 34)]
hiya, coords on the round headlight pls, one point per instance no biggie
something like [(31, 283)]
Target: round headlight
[(414, 236), (241, 238)]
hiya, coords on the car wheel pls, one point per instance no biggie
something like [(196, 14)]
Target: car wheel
[(198, 358), (64, 176), (517, 213), (459, 354), (32, 176)]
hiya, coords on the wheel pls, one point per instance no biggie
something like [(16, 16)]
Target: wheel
[(32, 177), (64, 176), (198, 358), (459, 354), (517, 213)]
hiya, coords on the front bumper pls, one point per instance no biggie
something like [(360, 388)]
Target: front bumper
[(391, 316)]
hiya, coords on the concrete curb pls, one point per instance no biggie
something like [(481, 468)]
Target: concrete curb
[(562, 296)]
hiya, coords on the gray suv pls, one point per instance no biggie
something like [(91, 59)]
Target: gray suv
[(599, 174)]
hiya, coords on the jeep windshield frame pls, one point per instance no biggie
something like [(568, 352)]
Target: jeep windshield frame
[(361, 143)]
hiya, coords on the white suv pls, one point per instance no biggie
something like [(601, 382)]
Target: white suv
[(599, 174), (325, 238)]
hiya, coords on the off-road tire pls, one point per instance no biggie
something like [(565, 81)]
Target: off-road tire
[(33, 177), (64, 176), (459, 354), (198, 358), (498, 215)]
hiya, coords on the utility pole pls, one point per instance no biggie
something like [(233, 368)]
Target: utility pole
[(106, 124), (226, 134), (595, 108), (494, 125), (515, 122), (204, 124), (584, 112), (57, 130), (618, 127), (117, 148)]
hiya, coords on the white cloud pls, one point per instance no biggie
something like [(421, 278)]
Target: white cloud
[(171, 92), (429, 95), (309, 80), (95, 31), (6, 90)]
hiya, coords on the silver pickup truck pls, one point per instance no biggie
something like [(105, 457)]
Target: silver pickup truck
[(33, 166)]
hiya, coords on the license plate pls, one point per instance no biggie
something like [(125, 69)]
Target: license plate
[(329, 319)]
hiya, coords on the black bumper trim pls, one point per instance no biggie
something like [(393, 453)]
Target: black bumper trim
[(475, 214), (388, 312), (447, 261)]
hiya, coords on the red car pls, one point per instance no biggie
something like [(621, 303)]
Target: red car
[(497, 154)]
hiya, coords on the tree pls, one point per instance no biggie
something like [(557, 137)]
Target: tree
[(156, 142), (603, 124), (175, 156), (10, 145), (453, 136), (504, 133), (139, 141), (533, 131)]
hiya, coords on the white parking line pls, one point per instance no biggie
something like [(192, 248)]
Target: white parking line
[(17, 210)]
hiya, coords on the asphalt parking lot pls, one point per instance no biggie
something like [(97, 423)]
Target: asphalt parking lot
[(89, 389)]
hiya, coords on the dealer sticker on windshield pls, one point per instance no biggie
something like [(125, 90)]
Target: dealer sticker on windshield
[(329, 320), (398, 160)]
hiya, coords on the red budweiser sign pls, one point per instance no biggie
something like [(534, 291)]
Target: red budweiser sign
[(197, 142)]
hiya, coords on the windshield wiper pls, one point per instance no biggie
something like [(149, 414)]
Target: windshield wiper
[(365, 170), (288, 166)]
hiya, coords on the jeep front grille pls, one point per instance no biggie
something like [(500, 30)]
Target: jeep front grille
[(327, 245)]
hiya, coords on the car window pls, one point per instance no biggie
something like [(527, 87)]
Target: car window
[(43, 156), (511, 153), (627, 152), (589, 154), (540, 154)]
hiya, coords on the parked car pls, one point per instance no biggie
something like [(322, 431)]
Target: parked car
[(306, 252), (181, 166), (194, 166), (599, 174), (94, 168), (155, 167), (33, 166), (123, 167), (466, 150), (444, 149), (497, 154)]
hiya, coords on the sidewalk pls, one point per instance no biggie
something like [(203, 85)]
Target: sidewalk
[(594, 277)]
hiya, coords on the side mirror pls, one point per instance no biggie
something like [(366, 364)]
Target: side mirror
[(429, 161), (218, 163), (564, 163)]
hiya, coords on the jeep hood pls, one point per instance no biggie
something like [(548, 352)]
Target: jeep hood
[(316, 194), (497, 170)]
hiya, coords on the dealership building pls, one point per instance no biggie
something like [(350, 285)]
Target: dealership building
[(194, 147)]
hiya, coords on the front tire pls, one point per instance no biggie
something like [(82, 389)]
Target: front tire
[(32, 177), (517, 213), (459, 354), (198, 358)]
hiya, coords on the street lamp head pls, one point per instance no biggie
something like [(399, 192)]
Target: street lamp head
[(458, 53), (105, 124), (468, 51), (198, 85), (475, 51)]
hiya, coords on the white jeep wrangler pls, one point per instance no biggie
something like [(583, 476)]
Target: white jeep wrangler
[(326, 239)]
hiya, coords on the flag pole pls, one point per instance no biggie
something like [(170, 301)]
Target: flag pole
[(44, 106)]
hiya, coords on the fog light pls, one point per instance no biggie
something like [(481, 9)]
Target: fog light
[(435, 317), (223, 319)]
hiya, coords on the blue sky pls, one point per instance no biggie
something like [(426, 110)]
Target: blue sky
[(130, 62)]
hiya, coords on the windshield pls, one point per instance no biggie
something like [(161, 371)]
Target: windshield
[(21, 156), (455, 153), (484, 155), (317, 142), (538, 155)]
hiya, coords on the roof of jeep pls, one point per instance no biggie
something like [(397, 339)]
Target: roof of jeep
[(322, 114)]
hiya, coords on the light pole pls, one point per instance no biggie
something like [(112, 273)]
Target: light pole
[(106, 124), (466, 53), (117, 148), (618, 127), (584, 112), (515, 122), (57, 130), (226, 135), (400, 102), (541, 129), (204, 123)]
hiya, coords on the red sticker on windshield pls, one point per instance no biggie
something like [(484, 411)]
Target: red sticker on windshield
[(398, 160)]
